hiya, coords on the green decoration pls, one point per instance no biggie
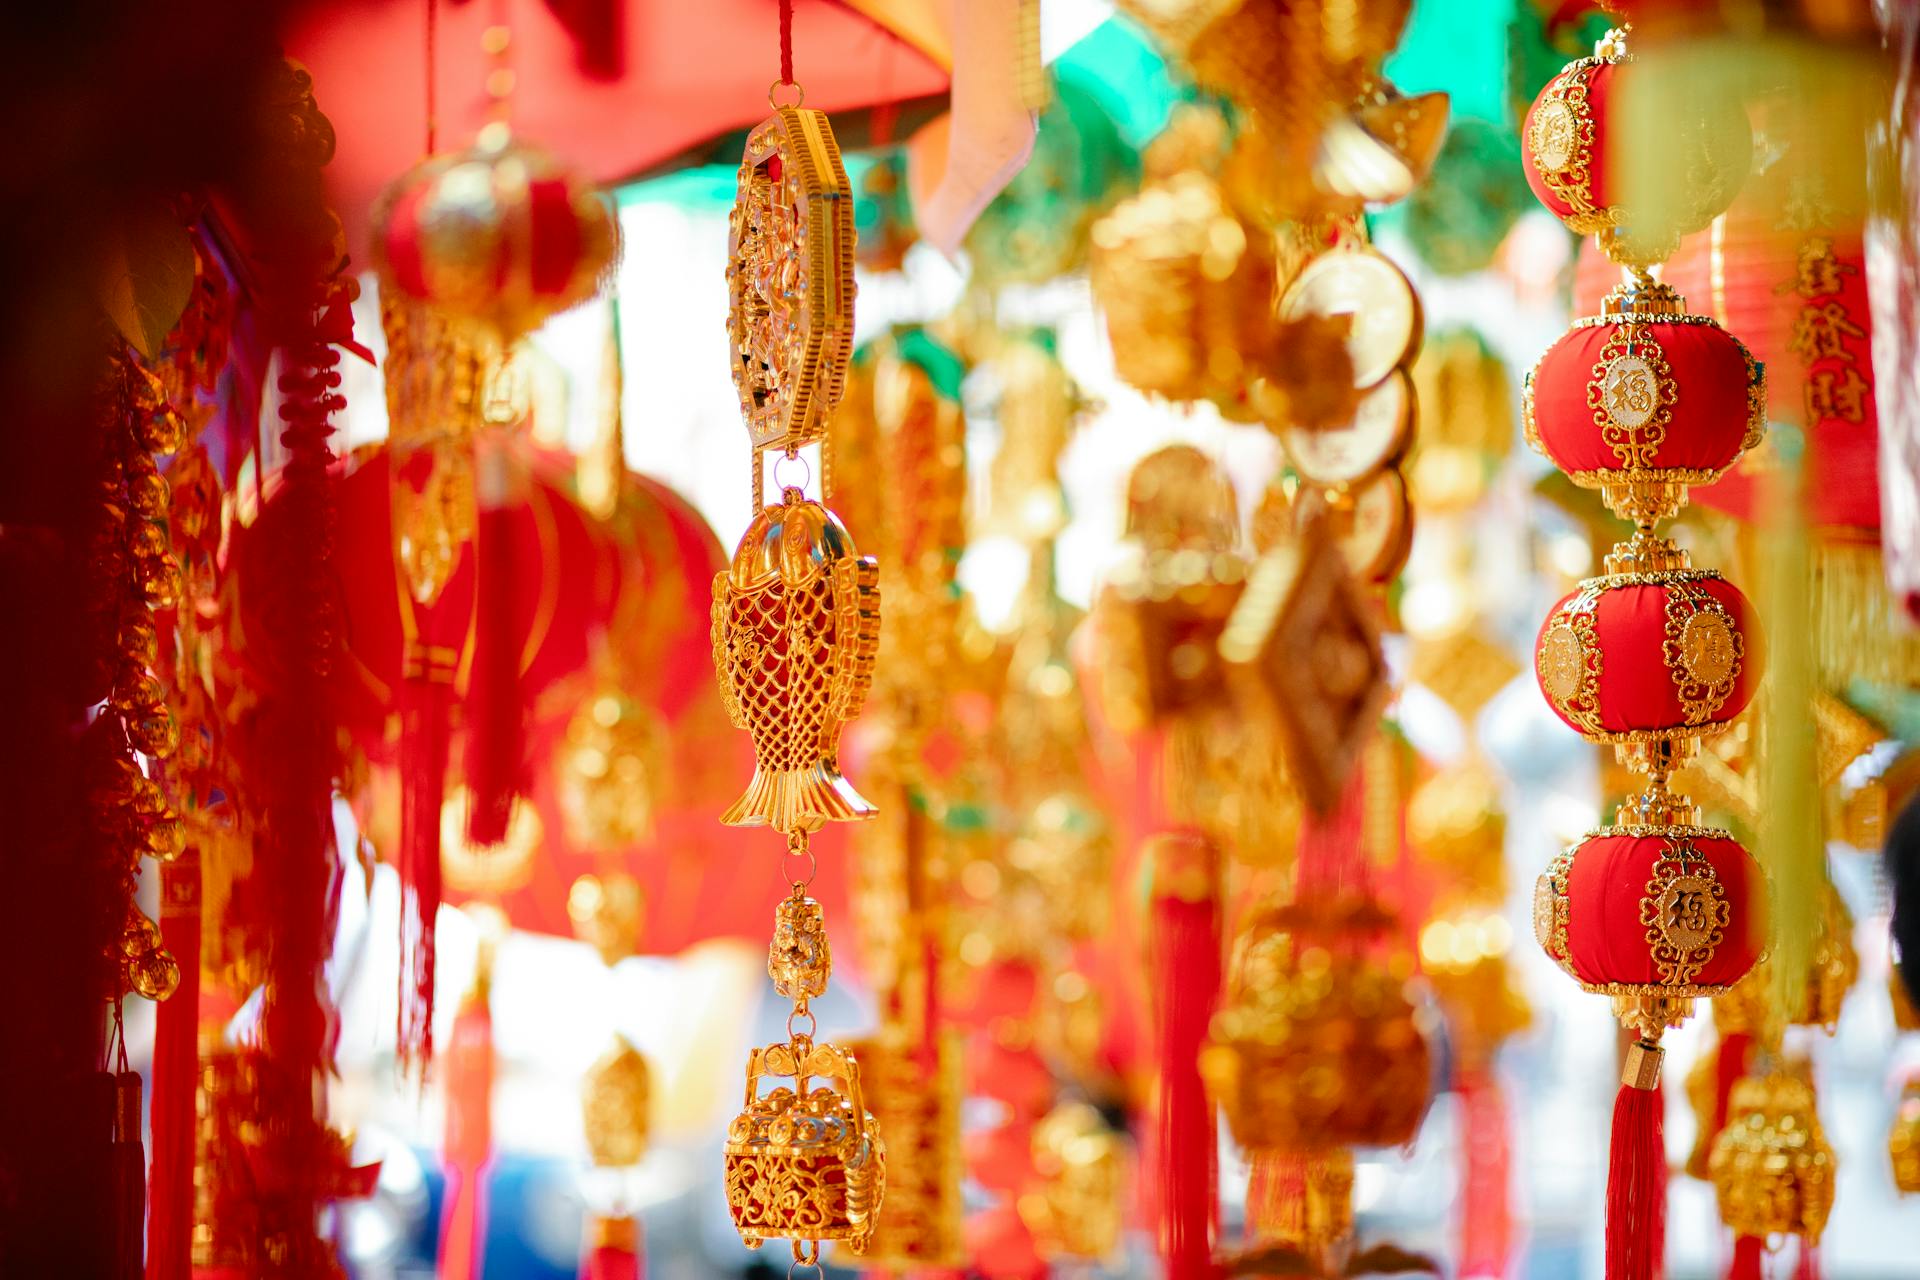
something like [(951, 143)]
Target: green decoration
[(1457, 219)]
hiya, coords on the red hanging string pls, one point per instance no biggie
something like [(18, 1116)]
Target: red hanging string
[(433, 43), (786, 41)]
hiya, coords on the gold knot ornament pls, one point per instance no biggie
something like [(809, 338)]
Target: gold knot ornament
[(796, 627), (805, 1163), (1771, 1167), (1318, 1044)]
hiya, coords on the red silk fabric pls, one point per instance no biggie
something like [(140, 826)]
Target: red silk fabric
[(1607, 885), (1636, 689), (1709, 414)]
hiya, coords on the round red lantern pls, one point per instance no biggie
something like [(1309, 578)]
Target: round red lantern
[(1644, 400), (1581, 149), (1656, 912), (501, 233), (1641, 656)]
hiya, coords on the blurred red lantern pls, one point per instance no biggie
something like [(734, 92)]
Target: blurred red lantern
[(501, 233), (1653, 912), (1638, 656), (1581, 151), (1644, 400)]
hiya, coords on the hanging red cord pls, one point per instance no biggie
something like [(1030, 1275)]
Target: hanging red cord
[(786, 42), (433, 42)]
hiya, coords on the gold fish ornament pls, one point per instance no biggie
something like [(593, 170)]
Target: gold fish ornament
[(796, 625)]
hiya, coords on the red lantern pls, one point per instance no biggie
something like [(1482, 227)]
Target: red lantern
[(501, 233), (1644, 400), (1581, 148), (1667, 912)]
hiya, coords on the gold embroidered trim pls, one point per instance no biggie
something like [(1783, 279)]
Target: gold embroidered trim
[(1652, 578), (1684, 991), (1661, 831), (1702, 648), (1686, 914), (1677, 317), (1607, 476), (1632, 392)]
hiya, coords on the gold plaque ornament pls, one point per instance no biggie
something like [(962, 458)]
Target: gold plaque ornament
[(1632, 394), (1361, 284), (790, 283), (796, 626), (1702, 649), (1376, 437), (1556, 129), (1686, 914)]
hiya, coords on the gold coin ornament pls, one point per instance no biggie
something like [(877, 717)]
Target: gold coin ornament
[(1379, 433), (1371, 524), (790, 278), (1362, 284), (796, 628)]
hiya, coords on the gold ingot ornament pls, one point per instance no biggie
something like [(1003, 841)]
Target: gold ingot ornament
[(796, 625), (805, 1164)]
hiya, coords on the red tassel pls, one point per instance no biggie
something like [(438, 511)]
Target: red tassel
[(493, 697), (127, 1167), (1187, 920), (1486, 1210), (1637, 1176), (468, 1143), (1809, 1268), (176, 1077), (1748, 1253), (615, 1250), (425, 705)]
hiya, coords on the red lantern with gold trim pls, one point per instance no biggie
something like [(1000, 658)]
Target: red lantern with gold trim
[(501, 232), (1579, 156), (1636, 656), (1662, 912), (1644, 400)]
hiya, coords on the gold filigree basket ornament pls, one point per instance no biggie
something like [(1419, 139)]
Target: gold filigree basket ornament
[(802, 1163), (796, 628)]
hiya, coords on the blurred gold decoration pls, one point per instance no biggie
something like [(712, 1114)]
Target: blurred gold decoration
[(1316, 1044), (1077, 1210), (1228, 776), (1466, 401), (1300, 1199), (805, 1163), (613, 766), (1374, 438), (1039, 405), (225, 1229), (1465, 959), (1771, 1167), (1903, 1141), (1370, 523), (1463, 666), (437, 375), (607, 911), (1162, 610), (917, 1102), (616, 1106), (1303, 654), (1382, 148), (1187, 291), (1374, 301), (493, 871), (1294, 66), (1753, 1005)]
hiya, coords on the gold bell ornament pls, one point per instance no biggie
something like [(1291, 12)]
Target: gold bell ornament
[(796, 627)]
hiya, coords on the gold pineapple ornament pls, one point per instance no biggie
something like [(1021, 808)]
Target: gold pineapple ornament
[(796, 628)]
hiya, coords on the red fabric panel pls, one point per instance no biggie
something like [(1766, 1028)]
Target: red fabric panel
[(1606, 941), (555, 248), (687, 73), (1709, 414)]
